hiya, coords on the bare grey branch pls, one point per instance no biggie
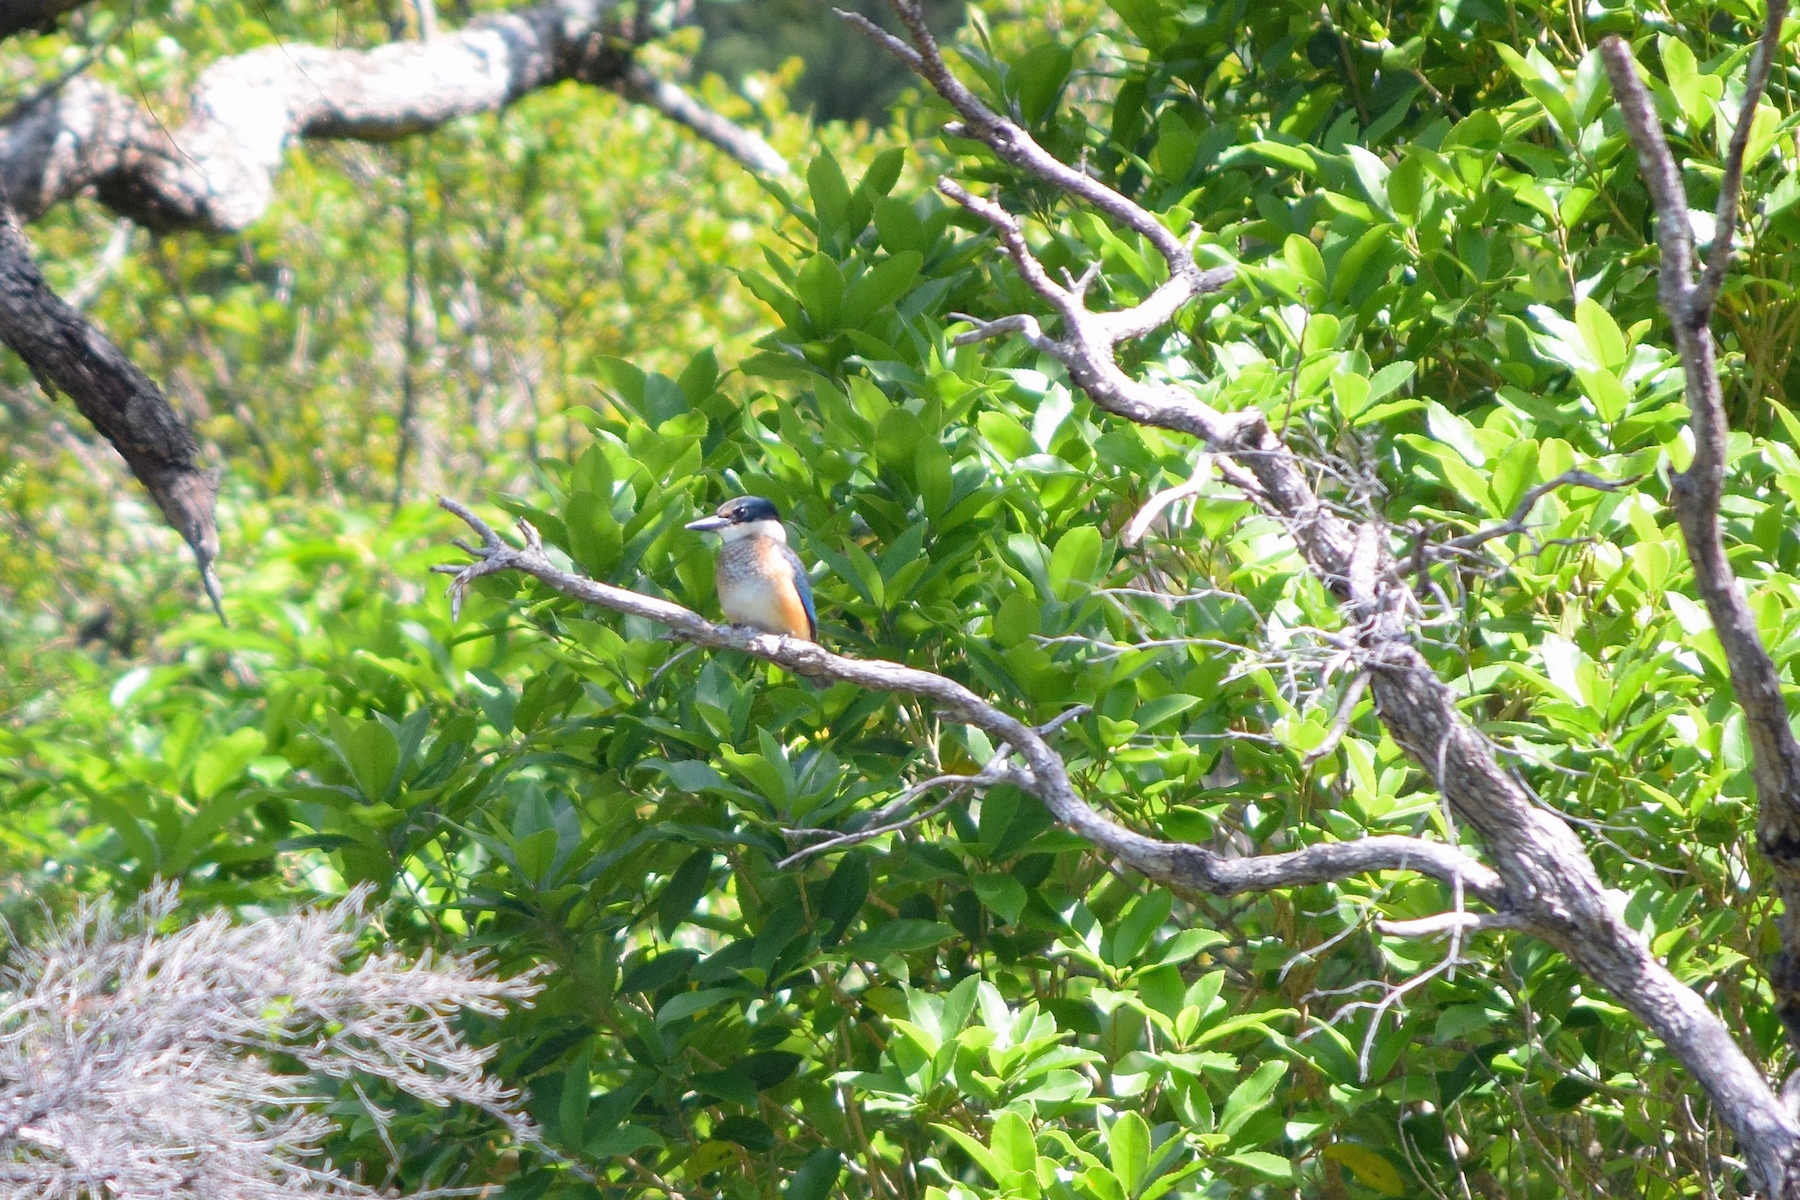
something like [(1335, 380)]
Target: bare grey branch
[(1181, 864), (1697, 493)]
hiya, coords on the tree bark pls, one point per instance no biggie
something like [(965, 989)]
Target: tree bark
[(68, 353), (215, 171)]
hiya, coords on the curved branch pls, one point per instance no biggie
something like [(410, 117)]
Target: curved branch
[(1696, 494), (216, 170), (1180, 864), (1550, 881), (66, 351)]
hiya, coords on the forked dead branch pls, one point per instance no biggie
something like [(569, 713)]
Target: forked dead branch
[(1552, 887)]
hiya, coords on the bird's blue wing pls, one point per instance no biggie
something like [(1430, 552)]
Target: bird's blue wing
[(803, 585)]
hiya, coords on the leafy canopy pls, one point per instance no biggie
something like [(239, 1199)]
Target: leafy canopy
[(1446, 292)]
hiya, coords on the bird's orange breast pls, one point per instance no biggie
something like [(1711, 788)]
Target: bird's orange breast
[(756, 588)]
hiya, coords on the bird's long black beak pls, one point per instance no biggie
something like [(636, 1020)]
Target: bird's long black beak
[(706, 524)]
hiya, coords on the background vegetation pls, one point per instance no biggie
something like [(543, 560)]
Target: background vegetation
[(577, 312)]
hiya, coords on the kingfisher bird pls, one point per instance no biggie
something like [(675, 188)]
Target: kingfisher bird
[(760, 579)]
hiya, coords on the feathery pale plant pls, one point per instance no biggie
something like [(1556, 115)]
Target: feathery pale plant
[(140, 1063)]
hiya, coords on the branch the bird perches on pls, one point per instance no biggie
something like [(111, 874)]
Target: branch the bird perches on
[(1042, 772)]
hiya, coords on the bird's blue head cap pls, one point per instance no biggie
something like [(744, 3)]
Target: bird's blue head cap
[(744, 510)]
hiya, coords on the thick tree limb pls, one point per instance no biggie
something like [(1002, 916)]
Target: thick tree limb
[(1180, 864), (65, 351), (1697, 493), (1550, 882), (216, 170)]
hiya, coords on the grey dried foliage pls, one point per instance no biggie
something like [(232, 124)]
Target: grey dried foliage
[(141, 1063)]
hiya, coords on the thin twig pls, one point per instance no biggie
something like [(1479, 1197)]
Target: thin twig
[(1515, 523)]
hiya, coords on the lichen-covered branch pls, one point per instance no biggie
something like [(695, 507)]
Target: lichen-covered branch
[(1551, 883), (215, 171), (1180, 864)]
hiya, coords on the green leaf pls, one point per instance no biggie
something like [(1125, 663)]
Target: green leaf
[(1040, 76), (683, 891), (731, 1086), (1695, 92), (878, 287), (1406, 189), (374, 756), (931, 470), (1176, 146), (536, 853), (687, 1004), (1001, 893), (820, 286), (987, 1161), (572, 1112), (1370, 1167), (698, 381), (225, 759), (625, 1139), (1601, 334), (1269, 1166), (1250, 1096), (844, 894), (1301, 255), (1372, 174), (654, 974), (1075, 561), (1150, 20), (1456, 433), (830, 194), (759, 773), (899, 228), (884, 172), (1128, 1150), (817, 1176), (595, 539), (1163, 708), (897, 937), (1138, 925), (1014, 1147)]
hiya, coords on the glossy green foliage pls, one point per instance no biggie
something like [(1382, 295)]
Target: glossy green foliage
[(1445, 297)]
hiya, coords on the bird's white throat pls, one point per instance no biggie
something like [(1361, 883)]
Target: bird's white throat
[(768, 529)]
